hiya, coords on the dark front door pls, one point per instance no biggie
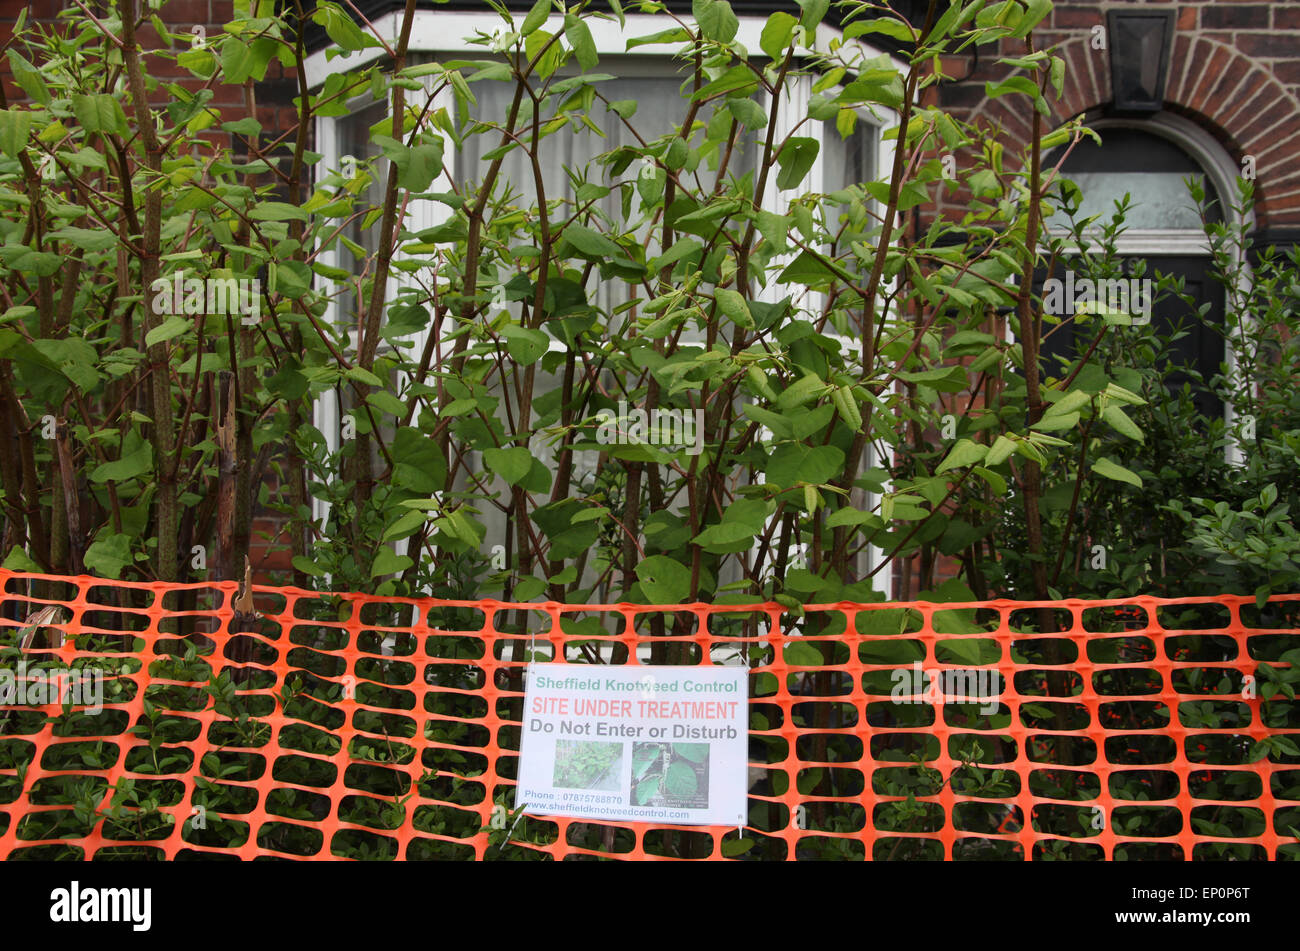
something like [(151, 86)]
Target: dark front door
[(1199, 349)]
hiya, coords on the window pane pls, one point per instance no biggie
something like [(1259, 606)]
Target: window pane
[(1159, 199), (850, 161), (661, 107), (1147, 167), (354, 140)]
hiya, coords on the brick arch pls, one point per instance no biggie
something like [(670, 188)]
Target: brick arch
[(1241, 103)]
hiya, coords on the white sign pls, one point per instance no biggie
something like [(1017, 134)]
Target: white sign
[(645, 744)]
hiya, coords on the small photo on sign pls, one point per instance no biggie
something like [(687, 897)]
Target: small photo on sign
[(671, 775), (581, 764)]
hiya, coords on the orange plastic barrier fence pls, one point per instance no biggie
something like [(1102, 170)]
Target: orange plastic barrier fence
[(348, 726)]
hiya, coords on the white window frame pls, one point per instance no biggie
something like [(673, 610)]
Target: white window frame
[(446, 33)]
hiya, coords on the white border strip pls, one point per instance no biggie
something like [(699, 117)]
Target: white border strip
[(435, 31)]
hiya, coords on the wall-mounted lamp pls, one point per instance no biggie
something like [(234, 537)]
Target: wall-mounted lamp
[(1140, 43)]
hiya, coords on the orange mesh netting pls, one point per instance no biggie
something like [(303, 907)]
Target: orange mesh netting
[(348, 726)]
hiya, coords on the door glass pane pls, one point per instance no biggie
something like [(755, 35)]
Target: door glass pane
[(1148, 168), (1160, 199)]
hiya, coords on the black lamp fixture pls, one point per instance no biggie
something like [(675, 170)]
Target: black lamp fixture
[(1140, 43)]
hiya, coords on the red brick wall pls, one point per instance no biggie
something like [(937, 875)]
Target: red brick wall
[(273, 107), (1234, 71), (272, 99)]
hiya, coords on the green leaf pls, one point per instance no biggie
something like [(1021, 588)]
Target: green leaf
[(672, 35), (386, 402), (716, 20), (777, 32), (17, 560), (29, 78), (1069, 403), (528, 588), (1000, 451), (525, 346), (704, 221), (136, 460), (747, 112), (460, 526), (389, 562), (423, 165), (680, 781), (536, 17), (945, 379), (1117, 392), (1113, 470), (340, 28), (802, 390), (74, 357), (802, 654), (87, 239), (680, 249), (962, 651), (742, 520), (363, 376), (417, 165), (813, 13), (579, 37), (953, 622), (796, 159), (1121, 422), (99, 112), (734, 847), (1035, 11), (695, 752), (664, 580), (237, 60), (405, 525), (591, 244), (288, 383), (807, 269), (173, 326), (733, 305), (109, 556), (245, 126), (1057, 75), (15, 126), (1012, 84), (793, 463), (725, 537), (886, 26), (277, 211), (510, 464), (995, 481), (850, 516), (307, 566), (1055, 422), (965, 453)]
